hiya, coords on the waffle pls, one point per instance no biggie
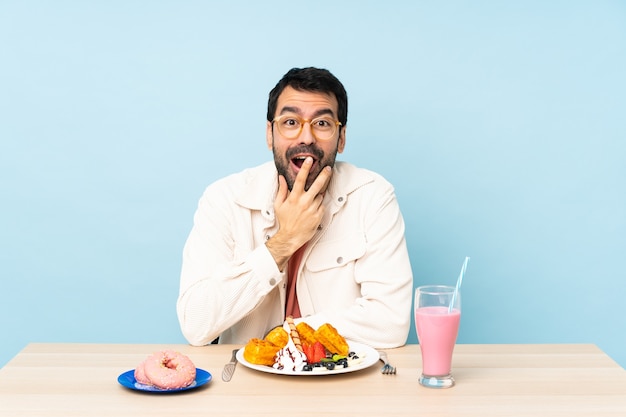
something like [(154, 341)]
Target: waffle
[(328, 336), (278, 336), (307, 333), (260, 352)]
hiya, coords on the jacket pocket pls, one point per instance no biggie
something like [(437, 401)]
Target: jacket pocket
[(336, 253)]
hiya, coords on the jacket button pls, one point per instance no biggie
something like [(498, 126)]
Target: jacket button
[(339, 260), (272, 281), (340, 199)]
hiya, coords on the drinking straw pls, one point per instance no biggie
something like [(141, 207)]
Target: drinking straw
[(459, 281)]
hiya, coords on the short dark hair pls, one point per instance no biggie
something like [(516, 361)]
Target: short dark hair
[(310, 79)]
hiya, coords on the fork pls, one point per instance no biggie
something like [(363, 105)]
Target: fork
[(387, 369), (229, 368)]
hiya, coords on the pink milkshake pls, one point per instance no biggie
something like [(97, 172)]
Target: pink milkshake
[(436, 331), (437, 319)]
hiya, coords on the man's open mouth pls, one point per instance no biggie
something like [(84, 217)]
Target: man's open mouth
[(298, 161), (297, 155)]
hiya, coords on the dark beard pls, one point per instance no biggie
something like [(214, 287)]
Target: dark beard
[(283, 163)]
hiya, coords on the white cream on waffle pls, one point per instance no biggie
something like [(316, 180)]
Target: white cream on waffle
[(290, 358)]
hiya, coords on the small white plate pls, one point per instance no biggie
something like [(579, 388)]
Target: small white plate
[(368, 355)]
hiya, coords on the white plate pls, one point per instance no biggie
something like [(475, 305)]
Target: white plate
[(369, 355)]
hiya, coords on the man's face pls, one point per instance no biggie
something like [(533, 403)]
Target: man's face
[(290, 153)]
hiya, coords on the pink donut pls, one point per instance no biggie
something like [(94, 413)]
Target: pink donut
[(140, 374), (169, 370)]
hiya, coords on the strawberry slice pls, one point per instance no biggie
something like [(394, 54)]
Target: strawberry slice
[(318, 352), (314, 353), (308, 351)]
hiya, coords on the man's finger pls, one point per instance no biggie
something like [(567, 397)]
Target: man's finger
[(303, 174), (283, 191), (321, 181)]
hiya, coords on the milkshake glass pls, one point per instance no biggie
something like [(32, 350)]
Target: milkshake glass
[(437, 326)]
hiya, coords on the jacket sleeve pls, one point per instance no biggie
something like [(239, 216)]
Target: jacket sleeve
[(220, 285)]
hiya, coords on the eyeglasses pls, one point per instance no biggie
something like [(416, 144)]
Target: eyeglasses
[(322, 128)]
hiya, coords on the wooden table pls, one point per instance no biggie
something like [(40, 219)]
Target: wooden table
[(492, 380)]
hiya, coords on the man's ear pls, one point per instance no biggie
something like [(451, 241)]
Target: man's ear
[(269, 136), (341, 144)]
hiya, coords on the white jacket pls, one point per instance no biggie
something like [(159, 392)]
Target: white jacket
[(355, 272)]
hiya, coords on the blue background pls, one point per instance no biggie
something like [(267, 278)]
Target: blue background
[(501, 124)]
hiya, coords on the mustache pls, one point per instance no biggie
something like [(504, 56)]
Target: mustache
[(310, 149)]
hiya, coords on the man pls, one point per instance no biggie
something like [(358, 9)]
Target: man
[(305, 236)]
